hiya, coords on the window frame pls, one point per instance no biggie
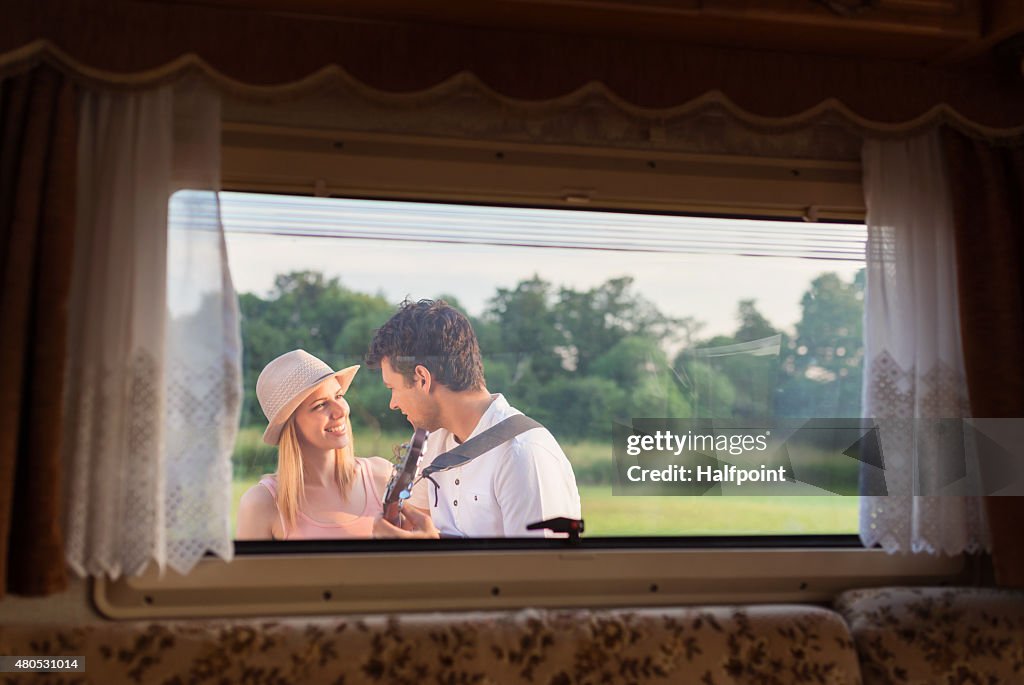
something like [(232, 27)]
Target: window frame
[(307, 578), (429, 579), (266, 158)]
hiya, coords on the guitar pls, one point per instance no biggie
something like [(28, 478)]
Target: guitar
[(398, 487)]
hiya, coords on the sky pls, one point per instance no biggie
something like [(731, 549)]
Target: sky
[(704, 286), (270, 235)]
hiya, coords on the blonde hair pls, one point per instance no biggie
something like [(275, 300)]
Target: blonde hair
[(291, 486)]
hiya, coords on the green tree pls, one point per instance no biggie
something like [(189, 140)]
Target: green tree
[(525, 326), (593, 321), (753, 324), (707, 391), (308, 311), (737, 375), (579, 407), (824, 362), (831, 327), (631, 360)]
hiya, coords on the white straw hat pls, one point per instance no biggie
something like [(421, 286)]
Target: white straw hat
[(285, 382)]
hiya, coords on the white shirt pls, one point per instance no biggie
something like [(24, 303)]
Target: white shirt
[(524, 480)]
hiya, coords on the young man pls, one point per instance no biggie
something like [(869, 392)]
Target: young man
[(430, 360)]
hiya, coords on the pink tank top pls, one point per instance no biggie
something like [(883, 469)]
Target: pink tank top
[(359, 525)]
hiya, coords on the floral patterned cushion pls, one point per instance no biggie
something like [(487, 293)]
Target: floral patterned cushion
[(962, 636), (769, 645)]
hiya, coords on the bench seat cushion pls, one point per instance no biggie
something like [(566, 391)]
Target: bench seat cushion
[(915, 636), (762, 645)]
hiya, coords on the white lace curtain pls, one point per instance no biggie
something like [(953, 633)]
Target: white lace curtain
[(154, 372), (914, 366)]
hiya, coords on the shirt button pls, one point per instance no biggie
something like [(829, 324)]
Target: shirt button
[(456, 481), (456, 503)]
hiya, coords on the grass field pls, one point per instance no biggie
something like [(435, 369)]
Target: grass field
[(606, 514)]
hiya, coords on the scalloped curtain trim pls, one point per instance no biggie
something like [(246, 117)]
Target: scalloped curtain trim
[(43, 51)]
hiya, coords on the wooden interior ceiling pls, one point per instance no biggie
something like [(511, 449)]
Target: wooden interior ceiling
[(931, 32)]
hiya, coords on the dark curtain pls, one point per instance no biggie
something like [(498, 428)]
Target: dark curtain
[(261, 47), (38, 146), (987, 182)]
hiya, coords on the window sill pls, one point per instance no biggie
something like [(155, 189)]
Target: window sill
[(489, 579)]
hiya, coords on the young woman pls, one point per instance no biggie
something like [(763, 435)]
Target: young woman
[(321, 490)]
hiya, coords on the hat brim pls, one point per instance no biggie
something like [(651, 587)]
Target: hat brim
[(272, 435)]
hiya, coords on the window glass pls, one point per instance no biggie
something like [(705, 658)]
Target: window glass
[(584, 319)]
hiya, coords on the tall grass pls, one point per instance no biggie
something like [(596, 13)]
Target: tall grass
[(251, 456), (591, 459)]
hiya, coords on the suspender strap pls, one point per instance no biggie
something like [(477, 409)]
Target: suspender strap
[(484, 442)]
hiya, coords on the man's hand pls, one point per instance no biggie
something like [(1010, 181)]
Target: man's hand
[(416, 523)]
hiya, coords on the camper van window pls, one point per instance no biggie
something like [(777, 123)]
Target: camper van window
[(673, 360)]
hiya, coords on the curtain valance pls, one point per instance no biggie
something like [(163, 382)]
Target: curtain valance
[(270, 57)]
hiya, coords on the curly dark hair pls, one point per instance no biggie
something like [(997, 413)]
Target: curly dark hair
[(433, 334)]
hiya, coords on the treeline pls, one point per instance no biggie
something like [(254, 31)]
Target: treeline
[(578, 359)]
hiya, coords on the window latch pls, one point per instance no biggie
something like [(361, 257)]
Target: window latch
[(562, 524)]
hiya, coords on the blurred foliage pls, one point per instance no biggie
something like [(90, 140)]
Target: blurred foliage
[(578, 359)]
